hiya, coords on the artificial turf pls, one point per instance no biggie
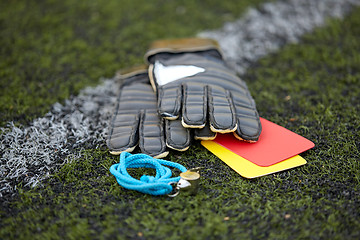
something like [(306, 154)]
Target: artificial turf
[(52, 49), (311, 88)]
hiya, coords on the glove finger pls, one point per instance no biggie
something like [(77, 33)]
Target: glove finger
[(194, 108), (169, 101), (248, 120), (177, 137), (151, 133), (221, 110), (204, 133), (123, 132)]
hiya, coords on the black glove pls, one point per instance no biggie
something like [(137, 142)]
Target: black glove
[(136, 120), (191, 76)]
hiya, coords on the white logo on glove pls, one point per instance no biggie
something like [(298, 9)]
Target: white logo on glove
[(167, 74)]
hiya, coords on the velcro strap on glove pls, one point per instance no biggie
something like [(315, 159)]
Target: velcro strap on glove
[(181, 46), (127, 73)]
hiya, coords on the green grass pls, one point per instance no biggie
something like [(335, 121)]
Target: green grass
[(311, 88), (52, 49)]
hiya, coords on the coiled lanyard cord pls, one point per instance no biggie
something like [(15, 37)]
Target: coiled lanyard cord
[(158, 185)]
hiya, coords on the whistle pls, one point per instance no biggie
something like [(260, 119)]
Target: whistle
[(189, 181)]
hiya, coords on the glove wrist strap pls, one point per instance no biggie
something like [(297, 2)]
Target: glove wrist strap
[(181, 46)]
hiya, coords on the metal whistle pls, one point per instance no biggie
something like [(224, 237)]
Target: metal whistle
[(188, 183)]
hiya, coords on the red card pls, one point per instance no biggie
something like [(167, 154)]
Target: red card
[(274, 145)]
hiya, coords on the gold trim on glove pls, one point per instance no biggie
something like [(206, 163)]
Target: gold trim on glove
[(181, 45)]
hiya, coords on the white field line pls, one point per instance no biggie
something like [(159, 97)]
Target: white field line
[(29, 154), (265, 30)]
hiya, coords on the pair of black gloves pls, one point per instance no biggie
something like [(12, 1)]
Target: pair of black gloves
[(186, 92)]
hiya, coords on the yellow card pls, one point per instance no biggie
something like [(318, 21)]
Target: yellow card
[(246, 168)]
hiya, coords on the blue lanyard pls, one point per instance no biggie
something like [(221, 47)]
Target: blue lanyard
[(158, 185)]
